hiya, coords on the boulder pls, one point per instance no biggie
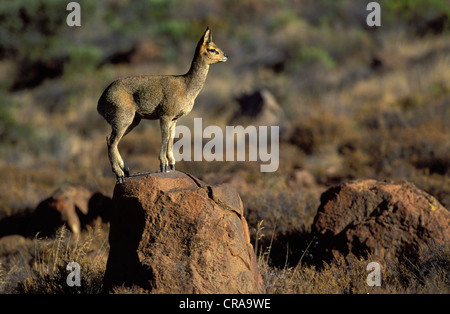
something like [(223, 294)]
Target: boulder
[(260, 108), (74, 206), (383, 218), (301, 178), (172, 233)]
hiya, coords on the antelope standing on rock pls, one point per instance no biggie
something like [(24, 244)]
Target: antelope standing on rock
[(165, 97)]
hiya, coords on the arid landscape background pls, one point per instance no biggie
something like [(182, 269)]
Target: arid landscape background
[(352, 102)]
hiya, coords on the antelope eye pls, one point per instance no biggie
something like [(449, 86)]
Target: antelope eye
[(214, 51)]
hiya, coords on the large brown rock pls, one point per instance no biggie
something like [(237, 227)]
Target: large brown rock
[(384, 218), (74, 206), (172, 233)]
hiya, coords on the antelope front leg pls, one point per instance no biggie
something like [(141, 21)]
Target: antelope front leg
[(165, 137), (170, 157)]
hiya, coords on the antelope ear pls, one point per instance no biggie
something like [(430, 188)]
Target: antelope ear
[(207, 36)]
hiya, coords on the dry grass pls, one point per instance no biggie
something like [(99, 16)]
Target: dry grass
[(38, 266), (341, 277), (42, 270)]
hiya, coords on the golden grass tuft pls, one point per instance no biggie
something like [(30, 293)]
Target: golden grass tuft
[(48, 274)]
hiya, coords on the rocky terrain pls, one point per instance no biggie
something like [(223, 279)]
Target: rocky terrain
[(363, 176)]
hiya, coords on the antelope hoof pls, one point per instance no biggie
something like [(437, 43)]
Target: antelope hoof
[(172, 167), (163, 168), (120, 180)]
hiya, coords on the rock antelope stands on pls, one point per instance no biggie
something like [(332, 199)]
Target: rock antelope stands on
[(165, 97)]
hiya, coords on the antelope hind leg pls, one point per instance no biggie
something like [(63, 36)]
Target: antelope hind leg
[(117, 164)]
